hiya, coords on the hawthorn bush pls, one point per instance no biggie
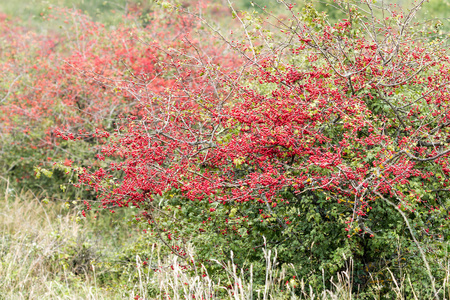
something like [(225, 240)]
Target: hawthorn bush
[(330, 140), (44, 94), (63, 91), (326, 141)]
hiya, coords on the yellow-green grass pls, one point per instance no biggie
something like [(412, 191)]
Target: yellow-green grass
[(34, 14)]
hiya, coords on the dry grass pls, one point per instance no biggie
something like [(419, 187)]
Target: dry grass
[(173, 282), (34, 263)]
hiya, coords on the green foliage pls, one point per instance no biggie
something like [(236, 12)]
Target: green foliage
[(313, 242)]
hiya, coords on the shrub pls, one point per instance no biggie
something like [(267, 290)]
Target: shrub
[(329, 139)]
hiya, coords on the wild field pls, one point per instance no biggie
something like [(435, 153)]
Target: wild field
[(224, 150)]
